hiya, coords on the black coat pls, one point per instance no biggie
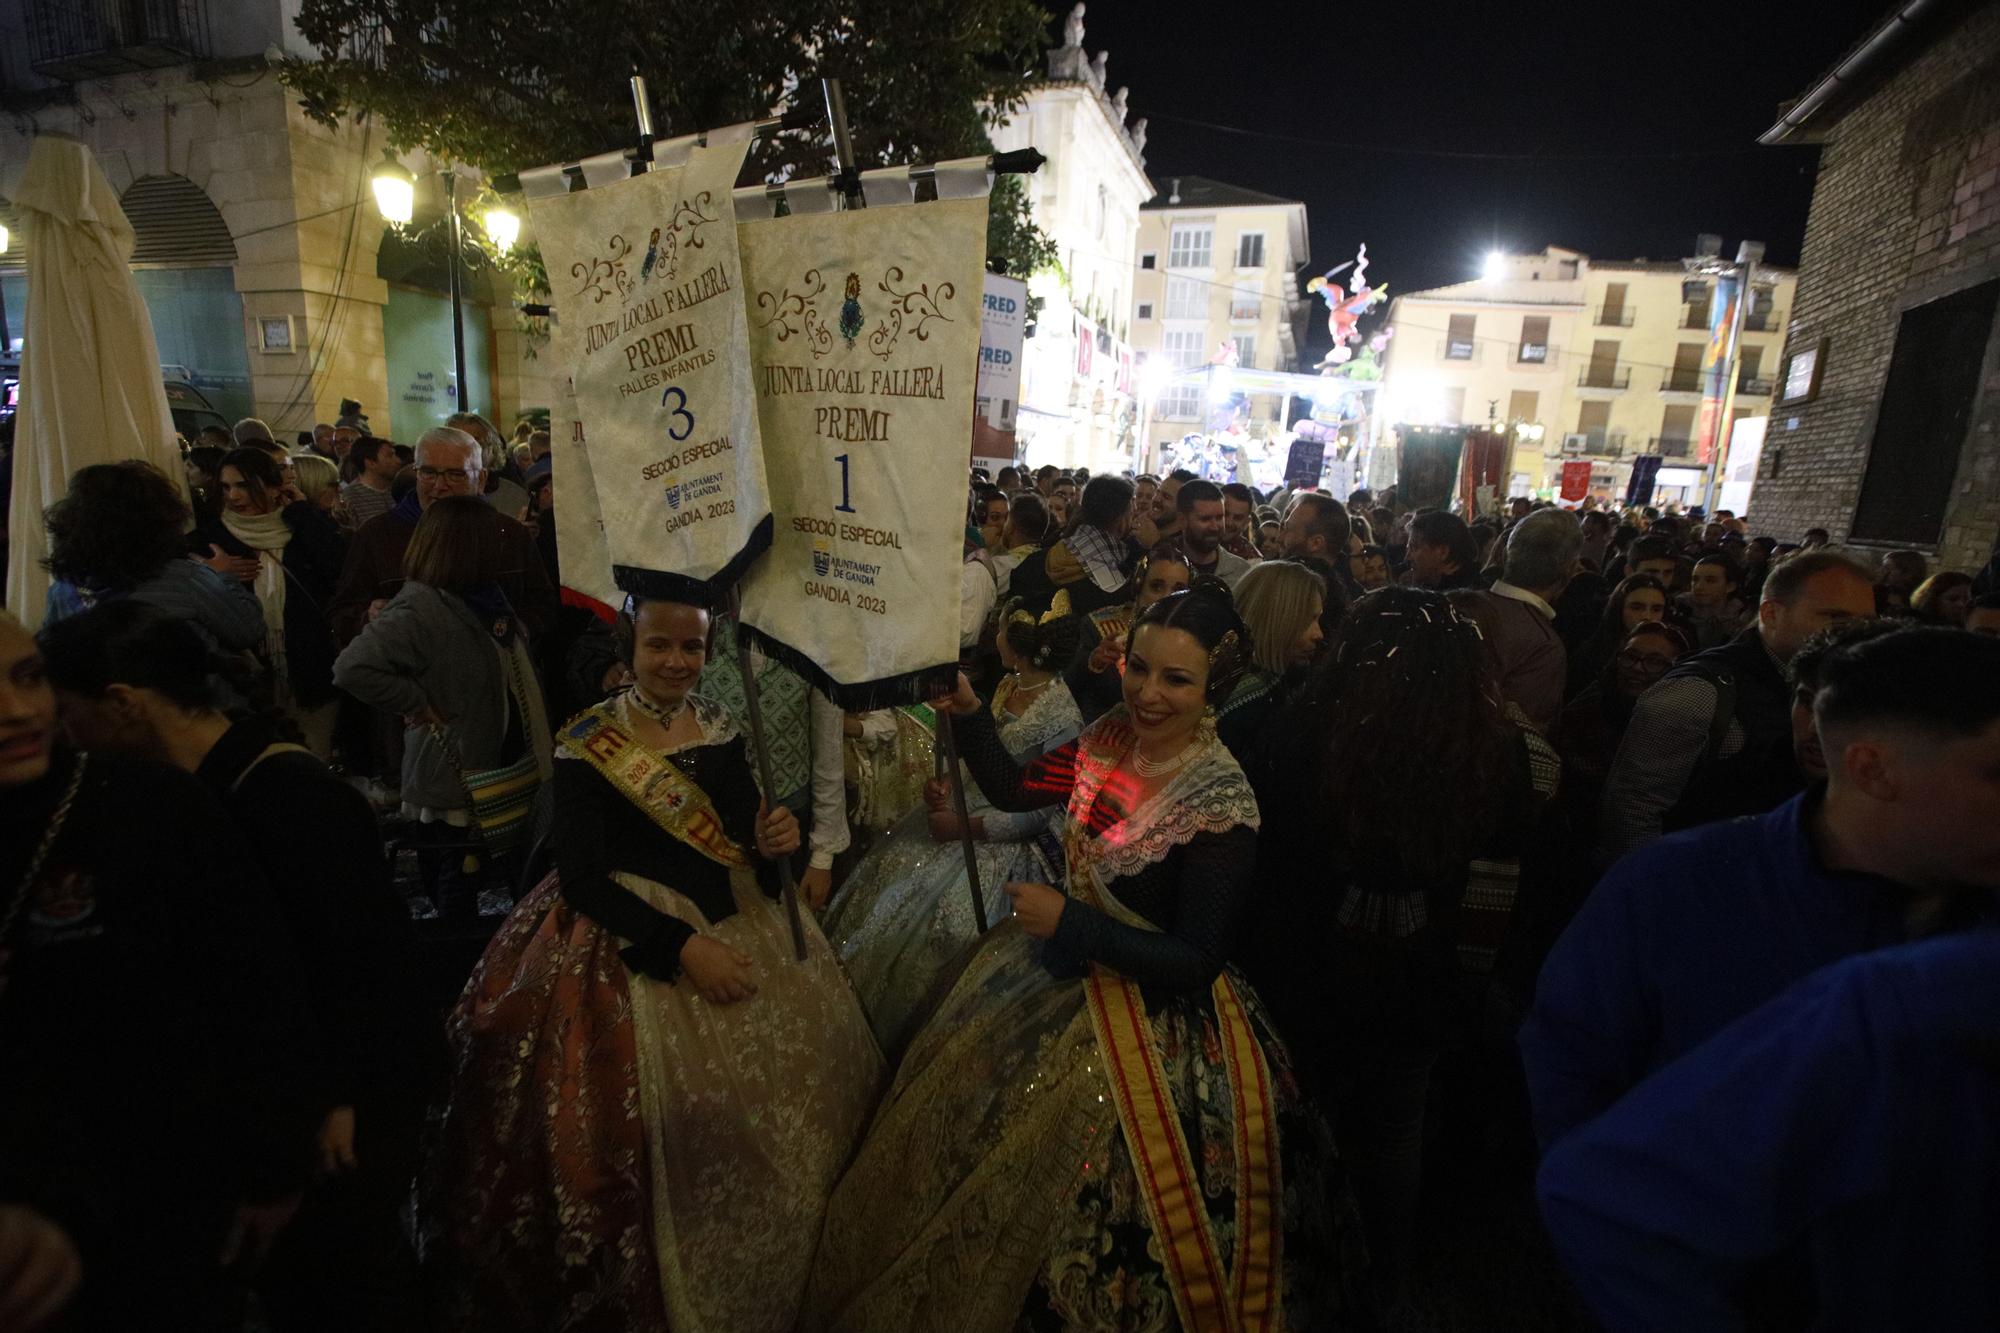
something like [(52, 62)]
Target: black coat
[(150, 1036), (312, 562)]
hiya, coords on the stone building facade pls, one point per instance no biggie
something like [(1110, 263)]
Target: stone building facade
[(264, 263), (1887, 426)]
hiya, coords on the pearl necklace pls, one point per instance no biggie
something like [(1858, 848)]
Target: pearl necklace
[(1147, 768), (1019, 688)]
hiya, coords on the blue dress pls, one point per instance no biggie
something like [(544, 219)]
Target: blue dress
[(904, 916)]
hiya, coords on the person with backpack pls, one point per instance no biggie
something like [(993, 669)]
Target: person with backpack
[(1714, 738), (136, 683)]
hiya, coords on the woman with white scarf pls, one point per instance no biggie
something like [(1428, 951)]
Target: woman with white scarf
[(290, 553)]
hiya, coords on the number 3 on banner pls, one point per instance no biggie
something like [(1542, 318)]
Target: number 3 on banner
[(679, 400), (843, 507)]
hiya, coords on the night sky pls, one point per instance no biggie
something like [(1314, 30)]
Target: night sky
[(1640, 119)]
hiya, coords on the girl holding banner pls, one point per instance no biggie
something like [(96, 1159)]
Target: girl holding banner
[(1098, 1127), (653, 1099)]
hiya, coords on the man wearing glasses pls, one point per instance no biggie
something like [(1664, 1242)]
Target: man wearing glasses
[(448, 463)]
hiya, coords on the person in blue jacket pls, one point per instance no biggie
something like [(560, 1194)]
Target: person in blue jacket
[(1688, 934), (1854, 1121)]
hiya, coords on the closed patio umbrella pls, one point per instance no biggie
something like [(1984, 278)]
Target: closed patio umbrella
[(90, 370)]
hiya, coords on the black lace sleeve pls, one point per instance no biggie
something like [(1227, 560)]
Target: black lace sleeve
[(1214, 874), (1010, 786), (732, 786), (581, 794)]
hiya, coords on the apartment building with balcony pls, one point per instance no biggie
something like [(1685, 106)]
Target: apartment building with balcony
[(1218, 266), (271, 280), (1576, 358)]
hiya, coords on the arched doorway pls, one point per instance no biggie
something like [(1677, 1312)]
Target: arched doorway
[(183, 260)]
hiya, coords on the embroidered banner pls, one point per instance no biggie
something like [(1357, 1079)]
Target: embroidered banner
[(646, 283), (584, 556), (864, 340)]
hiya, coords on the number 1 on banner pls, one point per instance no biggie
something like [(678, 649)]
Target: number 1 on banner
[(843, 507)]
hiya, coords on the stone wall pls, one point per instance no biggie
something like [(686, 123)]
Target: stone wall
[(1906, 210), (295, 197)]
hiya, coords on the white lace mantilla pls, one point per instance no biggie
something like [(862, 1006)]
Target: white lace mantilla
[(1209, 795)]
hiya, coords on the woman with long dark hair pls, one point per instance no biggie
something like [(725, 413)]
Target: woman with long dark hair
[(905, 913), (1594, 723), (1640, 599), (1097, 1126), (653, 1096), (1396, 769), (121, 531), (288, 552)]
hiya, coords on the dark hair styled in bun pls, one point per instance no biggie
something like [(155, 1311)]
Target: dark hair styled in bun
[(1045, 644), (1206, 610)]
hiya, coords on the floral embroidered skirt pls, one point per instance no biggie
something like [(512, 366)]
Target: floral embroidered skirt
[(620, 1154), (902, 921), (996, 1191)]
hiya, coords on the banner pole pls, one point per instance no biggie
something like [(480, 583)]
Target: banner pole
[(753, 702), (849, 183)]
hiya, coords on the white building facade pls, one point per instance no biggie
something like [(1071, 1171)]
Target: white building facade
[(1218, 269), (1577, 359), (1078, 382), (273, 284)]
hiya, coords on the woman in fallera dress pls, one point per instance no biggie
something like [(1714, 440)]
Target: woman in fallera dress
[(652, 1098), (1097, 1128), (905, 915)]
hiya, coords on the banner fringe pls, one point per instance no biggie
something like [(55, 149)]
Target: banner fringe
[(713, 592), (912, 687)]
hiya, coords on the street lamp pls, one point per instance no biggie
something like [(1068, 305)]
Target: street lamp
[(503, 227), (1496, 266), (396, 200), (395, 190)]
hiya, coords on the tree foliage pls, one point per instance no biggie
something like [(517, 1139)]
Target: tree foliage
[(501, 85)]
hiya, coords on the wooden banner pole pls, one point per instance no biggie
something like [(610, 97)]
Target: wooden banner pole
[(753, 702), (848, 181)]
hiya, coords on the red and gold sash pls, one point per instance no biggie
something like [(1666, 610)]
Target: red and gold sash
[(1247, 1295), (653, 783)]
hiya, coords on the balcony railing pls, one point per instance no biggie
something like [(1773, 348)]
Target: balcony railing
[(81, 39), (1458, 349), (1671, 446), (1752, 385), (1604, 377), (1597, 444), (1764, 321), (1245, 310), (1614, 317), (1681, 381), (1532, 354), (1694, 315)]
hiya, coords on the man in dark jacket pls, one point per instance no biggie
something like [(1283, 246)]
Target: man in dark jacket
[(1714, 738), (1853, 1122), (1542, 553), (1688, 934), (448, 463)]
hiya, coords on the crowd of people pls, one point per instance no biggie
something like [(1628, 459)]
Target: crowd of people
[(1310, 864)]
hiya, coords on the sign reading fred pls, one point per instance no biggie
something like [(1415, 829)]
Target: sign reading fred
[(864, 338), (647, 284)]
